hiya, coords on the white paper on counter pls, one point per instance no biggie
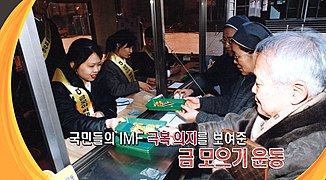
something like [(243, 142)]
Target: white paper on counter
[(175, 85), (172, 119), (122, 103)]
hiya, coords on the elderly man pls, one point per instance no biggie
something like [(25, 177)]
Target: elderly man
[(291, 106)]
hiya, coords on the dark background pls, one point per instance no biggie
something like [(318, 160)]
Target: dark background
[(7, 6)]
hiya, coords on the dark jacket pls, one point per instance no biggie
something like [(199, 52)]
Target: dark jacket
[(70, 118), (145, 66), (223, 73), (302, 136), (215, 108), (57, 52), (116, 81)]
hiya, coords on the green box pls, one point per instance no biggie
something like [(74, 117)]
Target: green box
[(142, 149), (176, 104), (126, 126)]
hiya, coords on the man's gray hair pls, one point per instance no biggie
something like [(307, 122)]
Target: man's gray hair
[(297, 56)]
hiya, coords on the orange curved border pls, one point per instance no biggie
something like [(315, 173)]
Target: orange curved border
[(15, 160)]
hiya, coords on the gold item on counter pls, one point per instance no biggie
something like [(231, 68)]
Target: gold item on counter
[(139, 127), (162, 104)]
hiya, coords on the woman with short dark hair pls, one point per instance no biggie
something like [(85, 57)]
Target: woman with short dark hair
[(117, 69), (81, 103)]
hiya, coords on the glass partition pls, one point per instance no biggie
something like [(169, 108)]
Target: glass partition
[(72, 20), (26, 113), (181, 26), (33, 102), (293, 9), (316, 8)]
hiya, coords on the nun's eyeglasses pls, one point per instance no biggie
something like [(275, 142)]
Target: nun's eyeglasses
[(226, 41), (237, 57)]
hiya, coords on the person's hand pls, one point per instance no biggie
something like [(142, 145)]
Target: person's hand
[(113, 122), (184, 92), (144, 86), (192, 102), (175, 69), (151, 81), (209, 95), (189, 114), (98, 114), (218, 165)]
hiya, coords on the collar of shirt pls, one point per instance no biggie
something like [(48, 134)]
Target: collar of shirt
[(257, 128), (88, 86), (37, 19), (261, 126)]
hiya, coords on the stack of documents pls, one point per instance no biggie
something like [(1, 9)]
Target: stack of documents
[(122, 103)]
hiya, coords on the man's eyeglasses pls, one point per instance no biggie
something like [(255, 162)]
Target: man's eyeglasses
[(237, 57), (226, 41)]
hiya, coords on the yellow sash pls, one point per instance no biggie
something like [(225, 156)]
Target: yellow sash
[(148, 52), (46, 43), (79, 95), (125, 68)]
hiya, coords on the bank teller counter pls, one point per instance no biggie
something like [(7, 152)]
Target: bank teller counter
[(131, 107), (117, 162), (112, 163)]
